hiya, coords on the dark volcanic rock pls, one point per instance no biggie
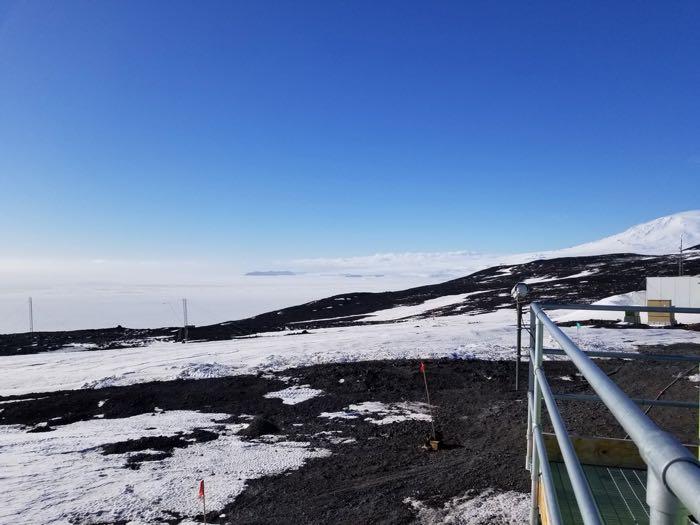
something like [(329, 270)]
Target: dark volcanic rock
[(41, 427), (260, 426)]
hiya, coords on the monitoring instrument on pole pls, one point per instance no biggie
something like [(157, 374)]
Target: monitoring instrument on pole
[(520, 291)]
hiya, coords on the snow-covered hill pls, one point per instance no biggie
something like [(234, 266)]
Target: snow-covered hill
[(658, 237)]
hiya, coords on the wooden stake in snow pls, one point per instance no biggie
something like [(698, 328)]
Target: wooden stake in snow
[(201, 496), (427, 395)]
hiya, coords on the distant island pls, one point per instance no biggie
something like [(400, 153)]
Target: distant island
[(271, 273)]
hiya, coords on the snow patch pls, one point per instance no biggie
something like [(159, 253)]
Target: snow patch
[(21, 400), (490, 506), (206, 371), (535, 280), (402, 312), (381, 413), (626, 299), (546, 279), (295, 394)]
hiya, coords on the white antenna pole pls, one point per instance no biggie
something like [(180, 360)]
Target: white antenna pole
[(31, 316), (680, 259), (184, 318)]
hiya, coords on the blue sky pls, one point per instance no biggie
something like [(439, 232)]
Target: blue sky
[(258, 131)]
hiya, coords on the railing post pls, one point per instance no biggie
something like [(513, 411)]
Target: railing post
[(519, 342), (530, 392), (536, 420), (663, 506)]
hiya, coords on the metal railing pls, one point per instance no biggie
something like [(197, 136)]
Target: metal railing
[(673, 474)]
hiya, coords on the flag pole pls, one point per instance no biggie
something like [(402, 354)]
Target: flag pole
[(427, 395), (202, 495)]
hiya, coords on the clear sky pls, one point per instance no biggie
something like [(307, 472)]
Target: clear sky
[(257, 131)]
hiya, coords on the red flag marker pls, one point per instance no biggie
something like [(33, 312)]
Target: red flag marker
[(421, 369), (202, 496)]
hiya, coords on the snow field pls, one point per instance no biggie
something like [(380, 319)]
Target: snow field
[(62, 476), (483, 336)]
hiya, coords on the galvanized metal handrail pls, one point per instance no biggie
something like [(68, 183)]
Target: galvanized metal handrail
[(673, 474), (538, 389), (548, 481), (636, 356), (582, 491), (643, 402), (550, 494), (617, 308)]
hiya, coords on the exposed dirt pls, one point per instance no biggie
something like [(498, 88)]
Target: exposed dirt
[(609, 275), (373, 468), (164, 444)]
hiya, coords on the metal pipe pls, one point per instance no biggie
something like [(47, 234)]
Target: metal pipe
[(612, 308), (536, 420), (534, 467), (634, 356), (677, 469), (528, 433), (550, 494), (663, 506), (519, 341), (582, 491), (530, 391), (652, 402)]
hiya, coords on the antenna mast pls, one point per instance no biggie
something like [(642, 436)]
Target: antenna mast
[(184, 318), (31, 316), (680, 259)]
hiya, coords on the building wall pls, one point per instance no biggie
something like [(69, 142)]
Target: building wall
[(681, 291)]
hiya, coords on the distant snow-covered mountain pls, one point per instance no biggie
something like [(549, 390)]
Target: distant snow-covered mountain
[(658, 237)]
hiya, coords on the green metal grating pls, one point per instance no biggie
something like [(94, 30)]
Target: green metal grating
[(619, 493)]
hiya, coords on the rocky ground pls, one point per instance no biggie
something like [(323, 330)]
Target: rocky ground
[(375, 470)]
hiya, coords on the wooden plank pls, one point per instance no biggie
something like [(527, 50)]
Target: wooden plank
[(660, 318), (606, 452), (542, 504)]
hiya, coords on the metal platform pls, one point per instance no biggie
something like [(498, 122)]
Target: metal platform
[(618, 492), (650, 478), (615, 473)]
